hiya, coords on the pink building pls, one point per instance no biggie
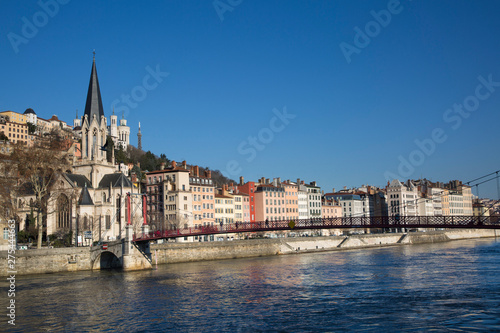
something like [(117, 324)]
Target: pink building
[(291, 200), (270, 203), (330, 209)]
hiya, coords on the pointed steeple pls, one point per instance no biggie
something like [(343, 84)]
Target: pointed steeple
[(85, 198), (93, 106)]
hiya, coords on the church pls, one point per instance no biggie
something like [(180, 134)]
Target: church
[(92, 201)]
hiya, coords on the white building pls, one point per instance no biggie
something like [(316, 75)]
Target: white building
[(313, 200), (402, 198), (119, 133), (302, 202)]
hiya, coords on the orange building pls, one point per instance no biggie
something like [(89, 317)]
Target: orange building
[(249, 189)]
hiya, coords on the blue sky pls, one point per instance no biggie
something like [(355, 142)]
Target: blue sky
[(351, 120)]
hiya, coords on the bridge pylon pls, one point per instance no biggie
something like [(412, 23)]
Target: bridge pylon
[(136, 256)]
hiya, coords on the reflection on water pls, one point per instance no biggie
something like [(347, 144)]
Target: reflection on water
[(443, 286)]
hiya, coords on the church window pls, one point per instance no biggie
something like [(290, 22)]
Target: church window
[(63, 212)]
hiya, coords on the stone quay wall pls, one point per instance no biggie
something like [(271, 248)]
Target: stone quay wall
[(41, 261), (169, 253), (79, 259)]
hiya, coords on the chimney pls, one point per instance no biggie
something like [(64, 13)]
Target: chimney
[(345, 188), (262, 181), (174, 164), (333, 190), (162, 166), (196, 171), (208, 173), (224, 189), (298, 181), (313, 183), (267, 181), (184, 165), (302, 182), (242, 180)]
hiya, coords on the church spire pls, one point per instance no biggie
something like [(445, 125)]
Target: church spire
[(93, 106)]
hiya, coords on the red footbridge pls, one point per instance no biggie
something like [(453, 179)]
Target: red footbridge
[(380, 222)]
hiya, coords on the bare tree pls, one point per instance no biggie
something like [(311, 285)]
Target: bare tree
[(37, 169), (8, 188)]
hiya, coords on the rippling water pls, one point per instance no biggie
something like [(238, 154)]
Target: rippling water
[(447, 286)]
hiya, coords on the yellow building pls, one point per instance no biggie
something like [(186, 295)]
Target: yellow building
[(16, 132), (14, 117), (445, 200)]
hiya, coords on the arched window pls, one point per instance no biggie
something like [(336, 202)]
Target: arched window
[(63, 212)]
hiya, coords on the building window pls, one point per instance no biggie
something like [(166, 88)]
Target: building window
[(63, 212)]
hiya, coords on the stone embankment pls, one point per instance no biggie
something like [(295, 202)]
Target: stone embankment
[(79, 259), (168, 253)]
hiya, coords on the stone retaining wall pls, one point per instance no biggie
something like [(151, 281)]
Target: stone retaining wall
[(40, 261), (77, 259)]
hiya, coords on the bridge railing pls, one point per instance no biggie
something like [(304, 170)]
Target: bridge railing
[(331, 223)]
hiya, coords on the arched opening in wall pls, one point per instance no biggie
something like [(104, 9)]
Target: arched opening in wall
[(107, 260)]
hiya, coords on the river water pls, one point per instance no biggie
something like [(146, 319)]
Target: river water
[(451, 286)]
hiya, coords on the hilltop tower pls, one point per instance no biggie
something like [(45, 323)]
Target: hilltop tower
[(139, 138)]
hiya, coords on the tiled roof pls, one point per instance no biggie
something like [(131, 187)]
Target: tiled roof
[(115, 180), (80, 180)]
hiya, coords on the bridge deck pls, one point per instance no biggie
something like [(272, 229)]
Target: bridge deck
[(408, 222)]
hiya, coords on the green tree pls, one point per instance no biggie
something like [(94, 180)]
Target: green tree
[(3, 137), (31, 128), (149, 162), (110, 145), (120, 155)]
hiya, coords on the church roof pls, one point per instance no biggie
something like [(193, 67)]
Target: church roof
[(80, 180), (93, 106), (85, 199), (115, 180), (29, 110)]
